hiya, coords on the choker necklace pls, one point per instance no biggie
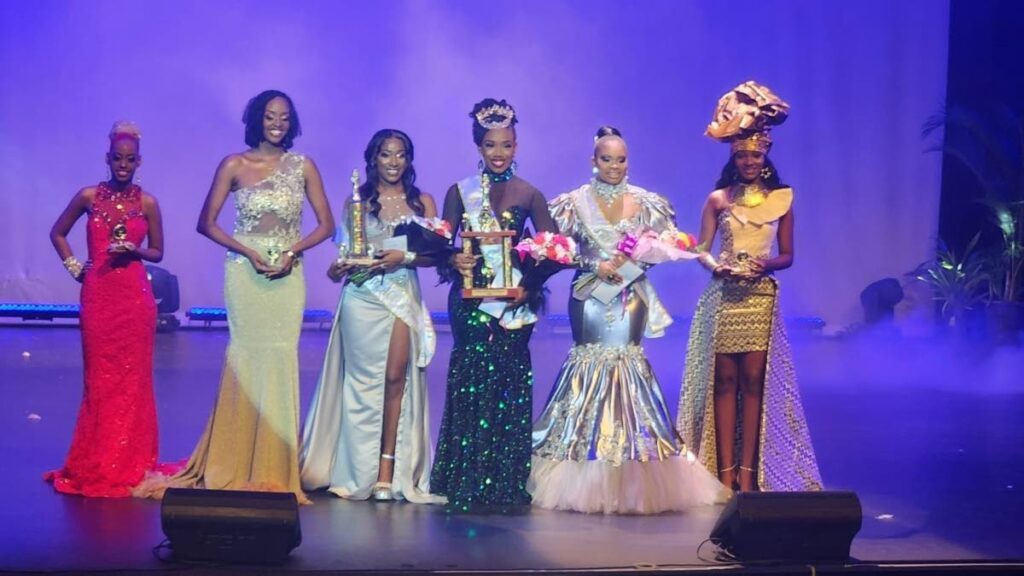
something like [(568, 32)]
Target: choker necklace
[(749, 195), (504, 176), (608, 192)]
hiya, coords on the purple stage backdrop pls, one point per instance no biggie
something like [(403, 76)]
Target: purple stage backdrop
[(861, 78)]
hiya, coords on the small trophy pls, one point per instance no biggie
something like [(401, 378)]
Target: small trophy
[(118, 236), (119, 233), (489, 233), (359, 253)]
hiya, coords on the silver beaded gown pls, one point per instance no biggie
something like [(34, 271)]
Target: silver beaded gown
[(604, 442)]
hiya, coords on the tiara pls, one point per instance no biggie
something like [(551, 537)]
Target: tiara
[(506, 113)]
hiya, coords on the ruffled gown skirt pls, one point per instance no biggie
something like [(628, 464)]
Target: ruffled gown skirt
[(605, 442)]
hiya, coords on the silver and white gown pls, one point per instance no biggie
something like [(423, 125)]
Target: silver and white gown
[(341, 439), (605, 442)]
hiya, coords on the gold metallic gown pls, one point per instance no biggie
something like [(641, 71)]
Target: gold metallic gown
[(740, 317), (251, 439)]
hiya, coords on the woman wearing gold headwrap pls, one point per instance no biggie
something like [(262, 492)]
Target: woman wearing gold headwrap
[(740, 407)]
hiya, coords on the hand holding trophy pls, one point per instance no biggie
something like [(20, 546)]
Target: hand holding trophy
[(495, 244), (357, 254), (119, 243)]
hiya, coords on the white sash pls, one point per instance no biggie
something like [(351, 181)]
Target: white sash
[(472, 195)]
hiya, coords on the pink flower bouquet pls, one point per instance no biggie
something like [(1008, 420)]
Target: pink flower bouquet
[(654, 248), (548, 246)]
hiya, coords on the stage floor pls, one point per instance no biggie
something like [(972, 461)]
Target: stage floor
[(929, 434)]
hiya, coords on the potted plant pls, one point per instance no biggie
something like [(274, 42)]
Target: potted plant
[(959, 282), (992, 148)]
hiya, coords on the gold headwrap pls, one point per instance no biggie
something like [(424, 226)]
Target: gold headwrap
[(744, 116)]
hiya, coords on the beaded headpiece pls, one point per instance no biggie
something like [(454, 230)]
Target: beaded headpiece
[(506, 113), (745, 115)]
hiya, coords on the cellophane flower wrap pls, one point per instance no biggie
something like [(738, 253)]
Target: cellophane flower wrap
[(548, 246), (428, 236), (653, 247)]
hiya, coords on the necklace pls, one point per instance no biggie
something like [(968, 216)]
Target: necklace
[(504, 176), (749, 195), (608, 193), (109, 200)]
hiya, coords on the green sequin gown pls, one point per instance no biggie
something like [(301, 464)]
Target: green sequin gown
[(252, 437), (483, 452)]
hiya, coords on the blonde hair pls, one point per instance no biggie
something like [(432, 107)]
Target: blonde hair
[(125, 129)]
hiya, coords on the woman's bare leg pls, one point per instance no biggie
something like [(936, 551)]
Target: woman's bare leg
[(726, 379), (394, 390), (752, 371)]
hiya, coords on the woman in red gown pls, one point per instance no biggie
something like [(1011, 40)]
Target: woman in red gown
[(115, 440)]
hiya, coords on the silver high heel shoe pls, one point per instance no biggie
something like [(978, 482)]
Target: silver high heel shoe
[(381, 491)]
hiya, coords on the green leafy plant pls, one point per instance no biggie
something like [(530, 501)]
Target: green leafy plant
[(992, 148), (959, 281)]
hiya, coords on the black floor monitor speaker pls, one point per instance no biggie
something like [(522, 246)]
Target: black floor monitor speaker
[(789, 526), (230, 526)]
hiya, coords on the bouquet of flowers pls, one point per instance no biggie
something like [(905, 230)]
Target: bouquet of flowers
[(542, 256), (548, 246), (653, 247), (426, 236)]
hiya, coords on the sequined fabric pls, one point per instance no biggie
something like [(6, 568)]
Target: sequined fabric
[(786, 457), (115, 438), (482, 461), (605, 442), (483, 453), (251, 439)]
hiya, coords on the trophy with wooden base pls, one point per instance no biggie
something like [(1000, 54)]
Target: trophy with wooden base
[(495, 245), (358, 252)]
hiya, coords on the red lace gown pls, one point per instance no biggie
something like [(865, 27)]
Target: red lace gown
[(115, 439)]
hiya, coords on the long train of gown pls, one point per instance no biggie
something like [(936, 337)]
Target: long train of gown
[(341, 439)]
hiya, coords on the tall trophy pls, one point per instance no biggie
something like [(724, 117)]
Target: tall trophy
[(358, 253), (496, 247)]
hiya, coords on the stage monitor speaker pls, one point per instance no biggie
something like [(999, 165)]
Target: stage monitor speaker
[(789, 526), (230, 526)]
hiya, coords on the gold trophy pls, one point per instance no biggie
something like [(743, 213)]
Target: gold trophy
[(118, 235), (359, 253), (489, 232)]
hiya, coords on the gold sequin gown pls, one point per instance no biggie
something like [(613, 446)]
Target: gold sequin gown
[(736, 317), (251, 440), (605, 442)]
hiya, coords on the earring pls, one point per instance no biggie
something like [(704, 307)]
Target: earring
[(766, 173), (480, 165), (593, 170), (514, 166)]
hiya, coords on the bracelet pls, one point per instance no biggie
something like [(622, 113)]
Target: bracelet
[(73, 266), (291, 254), (408, 258), (708, 261)]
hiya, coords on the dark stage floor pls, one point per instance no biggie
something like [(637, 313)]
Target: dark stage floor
[(929, 434)]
